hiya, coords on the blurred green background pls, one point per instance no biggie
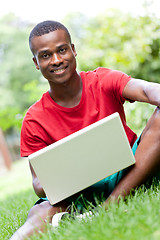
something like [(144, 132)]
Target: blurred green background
[(113, 39)]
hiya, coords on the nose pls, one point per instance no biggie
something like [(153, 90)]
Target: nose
[(56, 59)]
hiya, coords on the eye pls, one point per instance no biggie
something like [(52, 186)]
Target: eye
[(45, 55), (62, 50)]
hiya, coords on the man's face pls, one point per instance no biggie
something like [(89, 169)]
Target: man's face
[(55, 56)]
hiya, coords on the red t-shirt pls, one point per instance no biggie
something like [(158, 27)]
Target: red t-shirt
[(47, 122)]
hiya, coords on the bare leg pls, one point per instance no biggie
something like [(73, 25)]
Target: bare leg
[(38, 218), (147, 159)]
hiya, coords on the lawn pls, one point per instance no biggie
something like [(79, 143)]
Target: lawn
[(135, 219)]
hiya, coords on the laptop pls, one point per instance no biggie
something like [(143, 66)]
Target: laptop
[(82, 158)]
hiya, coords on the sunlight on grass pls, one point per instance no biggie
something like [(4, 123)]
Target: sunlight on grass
[(16, 198), (16, 180)]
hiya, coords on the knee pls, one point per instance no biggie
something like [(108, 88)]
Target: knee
[(157, 113), (41, 211), (154, 123), (45, 211)]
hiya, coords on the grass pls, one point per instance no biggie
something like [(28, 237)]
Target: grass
[(16, 198), (16, 180), (135, 219)]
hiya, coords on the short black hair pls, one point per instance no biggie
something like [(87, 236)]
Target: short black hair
[(46, 27)]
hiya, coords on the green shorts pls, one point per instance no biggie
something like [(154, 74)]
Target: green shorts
[(97, 192)]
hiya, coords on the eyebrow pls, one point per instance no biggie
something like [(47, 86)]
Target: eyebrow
[(47, 50), (43, 51), (62, 45)]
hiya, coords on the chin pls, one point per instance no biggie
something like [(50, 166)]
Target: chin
[(58, 82)]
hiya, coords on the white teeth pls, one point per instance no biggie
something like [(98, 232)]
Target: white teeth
[(58, 70)]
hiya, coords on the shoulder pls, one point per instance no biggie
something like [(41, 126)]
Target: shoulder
[(95, 72), (31, 132), (34, 116), (108, 81), (110, 73), (95, 76), (106, 77), (102, 72), (114, 79)]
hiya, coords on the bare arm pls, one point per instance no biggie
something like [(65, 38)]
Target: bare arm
[(142, 91), (147, 154), (36, 184)]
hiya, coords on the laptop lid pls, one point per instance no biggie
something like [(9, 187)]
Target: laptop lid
[(82, 158)]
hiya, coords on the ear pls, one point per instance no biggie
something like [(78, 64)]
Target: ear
[(36, 63), (74, 50)]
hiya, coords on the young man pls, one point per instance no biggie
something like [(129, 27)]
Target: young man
[(75, 100)]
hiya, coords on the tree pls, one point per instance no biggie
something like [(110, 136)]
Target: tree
[(20, 83), (123, 42), (113, 39)]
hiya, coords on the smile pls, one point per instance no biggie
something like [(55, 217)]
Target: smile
[(58, 70)]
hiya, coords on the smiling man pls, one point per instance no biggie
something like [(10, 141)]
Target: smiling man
[(75, 100), (56, 58)]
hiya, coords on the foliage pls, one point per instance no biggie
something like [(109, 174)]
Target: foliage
[(137, 115), (112, 39), (13, 115), (20, 83), (123, 42)]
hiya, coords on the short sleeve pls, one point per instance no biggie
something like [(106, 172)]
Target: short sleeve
[(30, 138), (114, 81)]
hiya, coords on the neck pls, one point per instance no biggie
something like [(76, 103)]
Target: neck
[(67, 94)]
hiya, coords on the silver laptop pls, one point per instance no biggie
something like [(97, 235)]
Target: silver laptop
[(82, 158)]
